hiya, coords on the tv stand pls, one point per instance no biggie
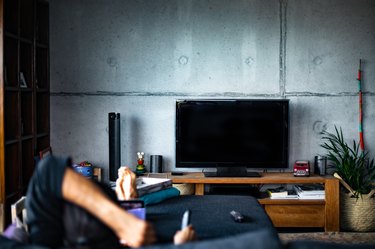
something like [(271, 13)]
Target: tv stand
[(247, 174), (231, 172), (284, 213)]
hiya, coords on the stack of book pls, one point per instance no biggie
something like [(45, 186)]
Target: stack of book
[(310, 191), (147, 185), (281, 193)]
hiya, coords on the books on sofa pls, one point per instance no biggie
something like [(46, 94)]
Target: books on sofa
[(147, 185)]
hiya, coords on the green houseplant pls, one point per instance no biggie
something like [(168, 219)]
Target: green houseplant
[(357, 173)]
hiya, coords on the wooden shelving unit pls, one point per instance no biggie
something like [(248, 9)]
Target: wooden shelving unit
[(25, 95), (283, 213)]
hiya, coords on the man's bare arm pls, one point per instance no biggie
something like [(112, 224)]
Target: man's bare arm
[(84, 193)]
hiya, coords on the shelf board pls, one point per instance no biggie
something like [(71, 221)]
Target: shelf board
[(266, 178), (26, 40), (41, 45), (26, 89), (8, 196), (42, 90), (269, 201), (11, 141), (11, 88), (10, 35), (27, 137), (42, 134)]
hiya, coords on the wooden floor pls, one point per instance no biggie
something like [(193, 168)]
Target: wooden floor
[(335, 237)]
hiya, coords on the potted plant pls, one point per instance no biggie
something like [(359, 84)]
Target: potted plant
[(357, 173)]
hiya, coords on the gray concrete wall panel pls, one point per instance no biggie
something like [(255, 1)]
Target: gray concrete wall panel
[(310, 115), (147, 124), (325, 40), (165, 46), (138, 57)]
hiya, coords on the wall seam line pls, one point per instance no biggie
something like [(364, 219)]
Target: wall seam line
[(211, 94), (282, 47)]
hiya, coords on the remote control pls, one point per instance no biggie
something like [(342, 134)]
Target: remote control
[(237, 217), (177, 173)]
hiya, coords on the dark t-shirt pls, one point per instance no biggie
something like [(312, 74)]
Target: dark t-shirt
[(55, 223)]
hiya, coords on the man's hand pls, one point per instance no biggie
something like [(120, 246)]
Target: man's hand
[(140, 233), (185, 235)]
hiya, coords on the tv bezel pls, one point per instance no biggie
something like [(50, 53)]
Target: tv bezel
[(284, 164)]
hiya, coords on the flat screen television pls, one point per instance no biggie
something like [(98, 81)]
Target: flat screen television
[(233, 136)]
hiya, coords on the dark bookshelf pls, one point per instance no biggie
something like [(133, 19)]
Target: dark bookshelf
[(26, 107)]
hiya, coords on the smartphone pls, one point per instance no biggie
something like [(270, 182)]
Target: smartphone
[(135, 207), (185, 219), (132, 204)]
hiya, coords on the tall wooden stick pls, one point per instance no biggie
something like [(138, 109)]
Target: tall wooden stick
[(361, 141)]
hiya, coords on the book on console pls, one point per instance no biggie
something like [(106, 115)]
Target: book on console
[(311, 197), (290, 194), (310, 189), (147, 185), (277, 192), (287, 197)]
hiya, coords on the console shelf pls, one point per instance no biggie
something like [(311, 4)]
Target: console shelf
[(283, 213)]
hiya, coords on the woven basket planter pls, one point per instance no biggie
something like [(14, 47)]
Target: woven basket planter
[(185, 188), (357, 214)]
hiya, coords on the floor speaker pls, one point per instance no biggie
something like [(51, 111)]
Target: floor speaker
[(114, 144)]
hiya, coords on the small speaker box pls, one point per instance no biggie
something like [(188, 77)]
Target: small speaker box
[(156, 164)]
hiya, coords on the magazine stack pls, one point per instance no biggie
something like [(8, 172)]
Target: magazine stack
[(310, 191), (147, 185), (275, 193), (281, 193)]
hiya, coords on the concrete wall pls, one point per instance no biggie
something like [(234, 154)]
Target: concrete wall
[(138, 57)]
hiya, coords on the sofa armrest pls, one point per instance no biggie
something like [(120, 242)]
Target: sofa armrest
[(261, 239)]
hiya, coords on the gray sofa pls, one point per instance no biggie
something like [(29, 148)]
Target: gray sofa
[(216, 229), (214, 226), (209, 216)]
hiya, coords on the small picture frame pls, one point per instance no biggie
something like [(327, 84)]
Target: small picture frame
[(23, 83), (45, 153)]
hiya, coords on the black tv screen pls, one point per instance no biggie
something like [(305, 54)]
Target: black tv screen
[(232, 133)]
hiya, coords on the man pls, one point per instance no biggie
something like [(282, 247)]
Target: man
[(59, 200)]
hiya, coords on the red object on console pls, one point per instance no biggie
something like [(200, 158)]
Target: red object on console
[(301, 168)]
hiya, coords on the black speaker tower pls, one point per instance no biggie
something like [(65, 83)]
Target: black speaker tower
[(114, 144)]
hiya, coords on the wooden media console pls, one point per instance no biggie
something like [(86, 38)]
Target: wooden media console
[(283, 213)]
